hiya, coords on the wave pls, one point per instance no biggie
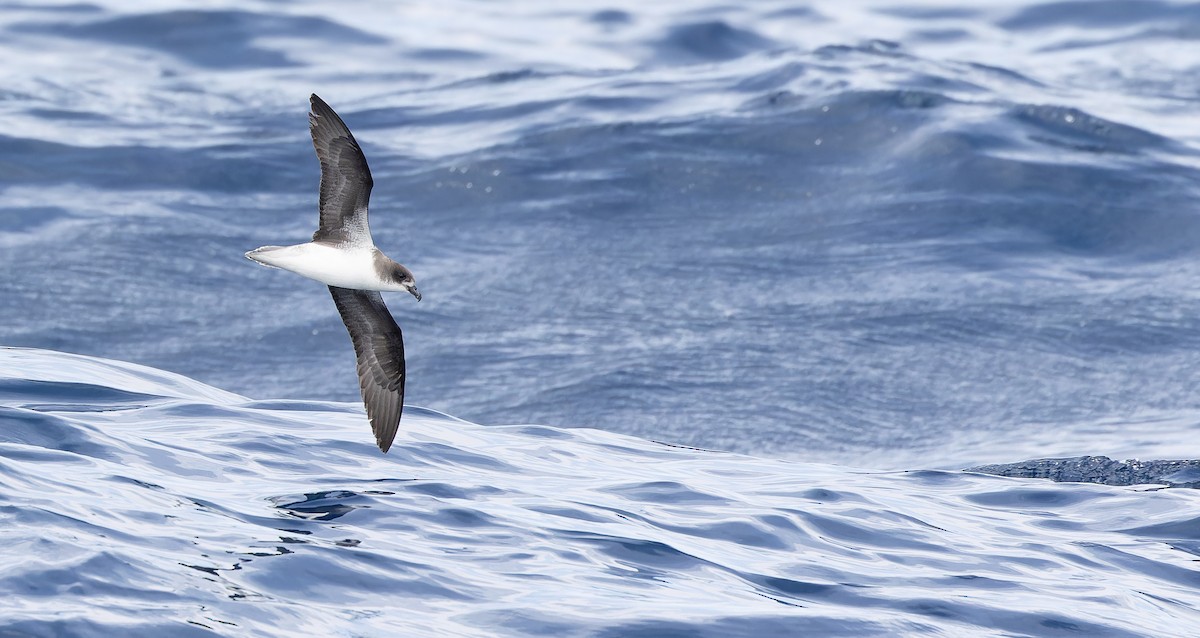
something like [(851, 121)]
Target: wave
[(145, 503)]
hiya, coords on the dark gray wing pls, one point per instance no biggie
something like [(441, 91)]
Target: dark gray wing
[(345, 178), (379, 347)]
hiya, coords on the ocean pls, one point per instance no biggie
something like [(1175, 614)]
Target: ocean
[(719, 301)]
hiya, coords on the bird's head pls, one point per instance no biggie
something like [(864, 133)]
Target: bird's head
[(400, 279)]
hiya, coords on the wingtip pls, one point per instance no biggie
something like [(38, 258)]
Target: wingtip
[(384, 439), (385, 436)]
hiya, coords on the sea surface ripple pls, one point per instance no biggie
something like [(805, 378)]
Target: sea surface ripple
[(906, 236), (140, 503)]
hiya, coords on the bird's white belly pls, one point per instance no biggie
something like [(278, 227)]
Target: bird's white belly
[(333, 266)]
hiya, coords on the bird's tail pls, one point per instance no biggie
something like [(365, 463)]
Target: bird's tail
[(263, 255)]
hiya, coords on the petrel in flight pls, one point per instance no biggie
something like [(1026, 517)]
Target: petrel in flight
[(342, 256)]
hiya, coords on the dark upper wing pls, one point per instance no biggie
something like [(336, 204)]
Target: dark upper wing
[(345, 178), (380, 351)]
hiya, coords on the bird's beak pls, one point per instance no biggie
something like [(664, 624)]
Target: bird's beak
[(416, 293)]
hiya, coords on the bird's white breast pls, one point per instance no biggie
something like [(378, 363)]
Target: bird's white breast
[(343, 266)]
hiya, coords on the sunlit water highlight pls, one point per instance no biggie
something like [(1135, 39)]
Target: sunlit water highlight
[(142, 503)]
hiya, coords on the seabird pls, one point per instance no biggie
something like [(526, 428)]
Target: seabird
[(342, 256)]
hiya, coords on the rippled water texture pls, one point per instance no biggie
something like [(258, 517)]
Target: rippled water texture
[(907, 237), (147, 504)]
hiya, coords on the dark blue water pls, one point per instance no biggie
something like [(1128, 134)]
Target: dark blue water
[(893, 236)]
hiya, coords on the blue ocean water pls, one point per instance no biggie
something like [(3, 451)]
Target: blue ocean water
[(141, 503), (845, 249)]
